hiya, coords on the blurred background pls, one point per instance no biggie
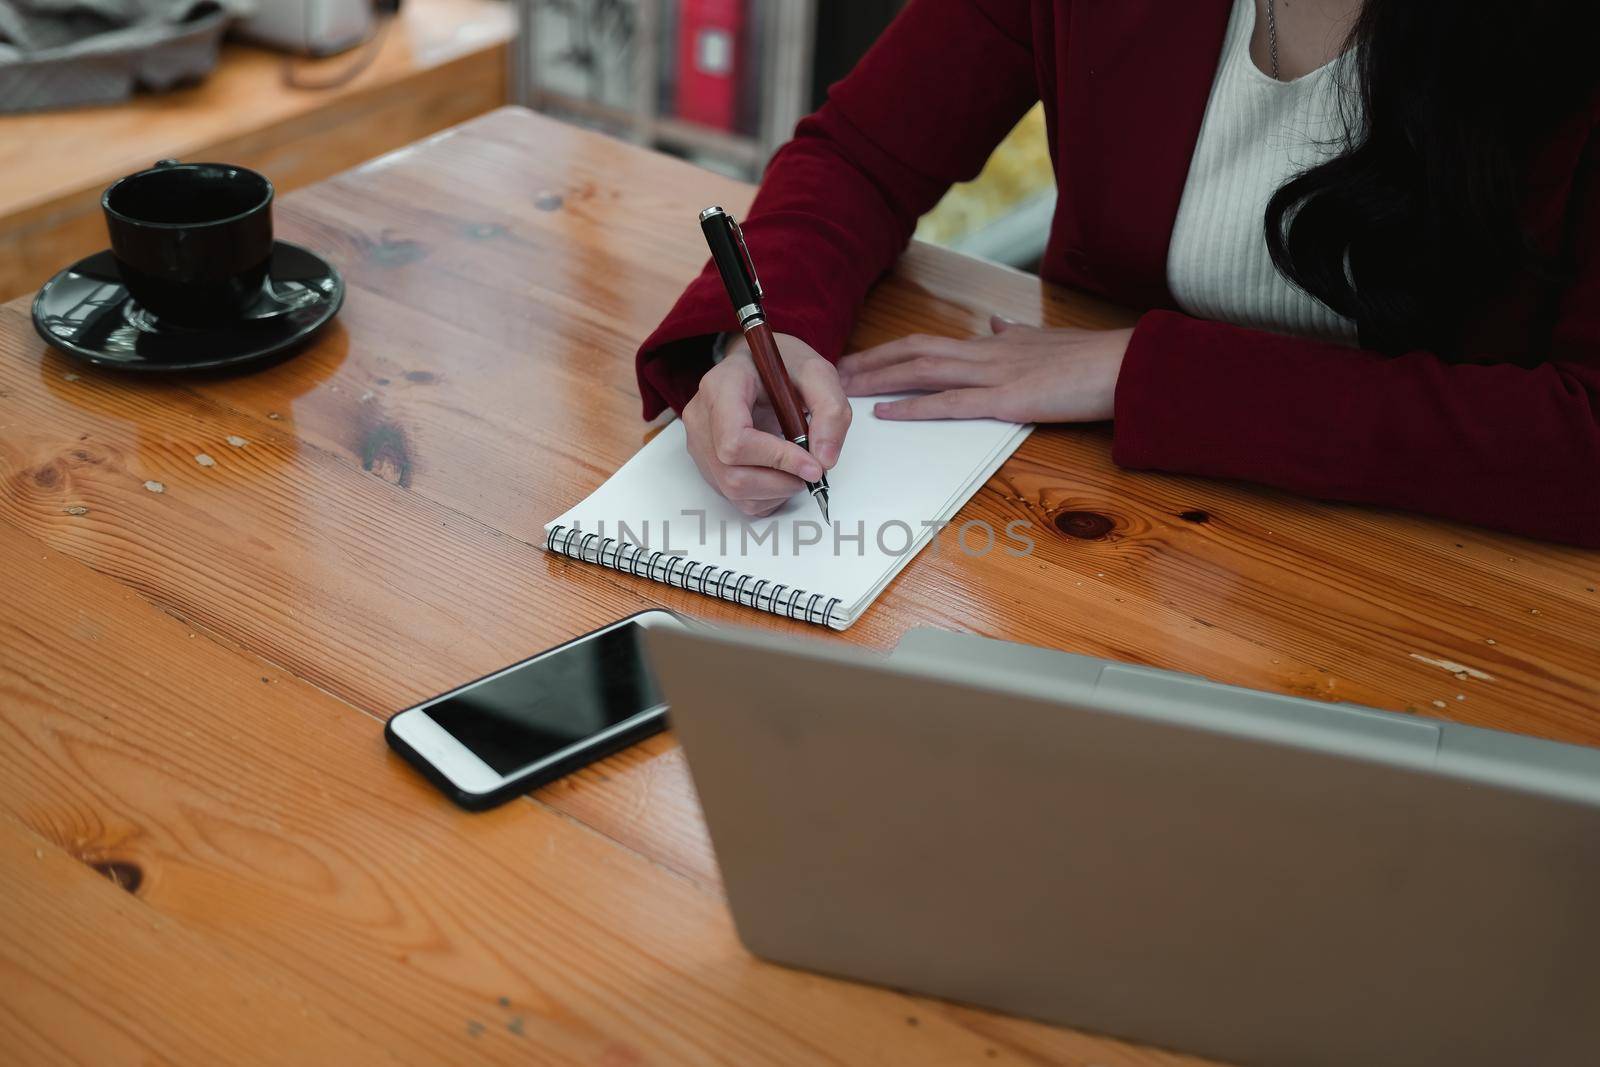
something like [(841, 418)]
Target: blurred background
[(300, 89)]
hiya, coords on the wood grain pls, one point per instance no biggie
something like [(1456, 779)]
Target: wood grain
[(440, 62), (65, 975), (372, 543), (292, 875)]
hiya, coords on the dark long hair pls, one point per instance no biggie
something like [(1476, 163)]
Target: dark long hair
[(1417, 219)]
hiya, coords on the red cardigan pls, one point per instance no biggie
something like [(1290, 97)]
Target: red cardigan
[(1124, 87)]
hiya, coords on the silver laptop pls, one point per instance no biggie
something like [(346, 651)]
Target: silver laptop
[(1247, 876)]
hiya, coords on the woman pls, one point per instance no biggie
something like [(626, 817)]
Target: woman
[(1371, 234)]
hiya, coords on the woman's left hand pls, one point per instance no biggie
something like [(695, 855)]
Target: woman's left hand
[(1021, 374)]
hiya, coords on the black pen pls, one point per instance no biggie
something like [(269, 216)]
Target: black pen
[(732, 257)]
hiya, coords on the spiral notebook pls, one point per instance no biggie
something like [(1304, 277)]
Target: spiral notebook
[(893, 488)]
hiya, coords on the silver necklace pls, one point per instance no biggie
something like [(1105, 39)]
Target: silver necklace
[(1272, 37)]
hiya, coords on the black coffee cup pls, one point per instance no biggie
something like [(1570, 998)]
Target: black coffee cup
[(193, 240)]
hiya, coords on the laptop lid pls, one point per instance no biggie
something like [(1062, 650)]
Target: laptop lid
[(1085, 855)]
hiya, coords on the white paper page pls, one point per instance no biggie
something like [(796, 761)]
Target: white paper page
[(892, 480)]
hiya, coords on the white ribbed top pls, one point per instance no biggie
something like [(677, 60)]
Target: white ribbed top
[(1257, 133)]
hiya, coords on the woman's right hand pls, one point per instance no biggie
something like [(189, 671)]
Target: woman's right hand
[(734, 436)]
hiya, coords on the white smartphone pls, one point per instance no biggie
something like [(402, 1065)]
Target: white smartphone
[(504, 734)]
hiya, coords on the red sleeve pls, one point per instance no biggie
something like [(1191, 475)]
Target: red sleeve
[(1499, 444), (838, 204)]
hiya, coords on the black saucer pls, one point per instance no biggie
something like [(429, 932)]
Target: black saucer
[(87, 313)]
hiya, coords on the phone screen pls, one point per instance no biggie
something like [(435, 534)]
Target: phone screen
[(538, 708)]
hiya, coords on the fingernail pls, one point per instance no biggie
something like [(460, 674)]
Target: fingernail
[(811, 471), (827, 453)]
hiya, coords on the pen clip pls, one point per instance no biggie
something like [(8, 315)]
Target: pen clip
[(744, 254)]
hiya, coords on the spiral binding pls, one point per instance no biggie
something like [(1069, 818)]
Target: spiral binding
[(686, 574)]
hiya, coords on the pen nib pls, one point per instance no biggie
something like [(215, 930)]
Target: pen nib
[(822, 502)]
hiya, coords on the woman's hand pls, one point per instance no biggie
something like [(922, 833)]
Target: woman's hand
[(1021, 374), (734, 436)]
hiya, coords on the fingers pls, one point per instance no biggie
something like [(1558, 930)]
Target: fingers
[(924, 372), (915, 346), (819, 387), (749, 447), (1001, 324), (756, 509), (922, 362), (737, 443), (899, 350), (952, 404), (760, 484), (738, 460)]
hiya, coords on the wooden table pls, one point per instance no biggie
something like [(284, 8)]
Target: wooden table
[(206, 850), (439, 62)]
